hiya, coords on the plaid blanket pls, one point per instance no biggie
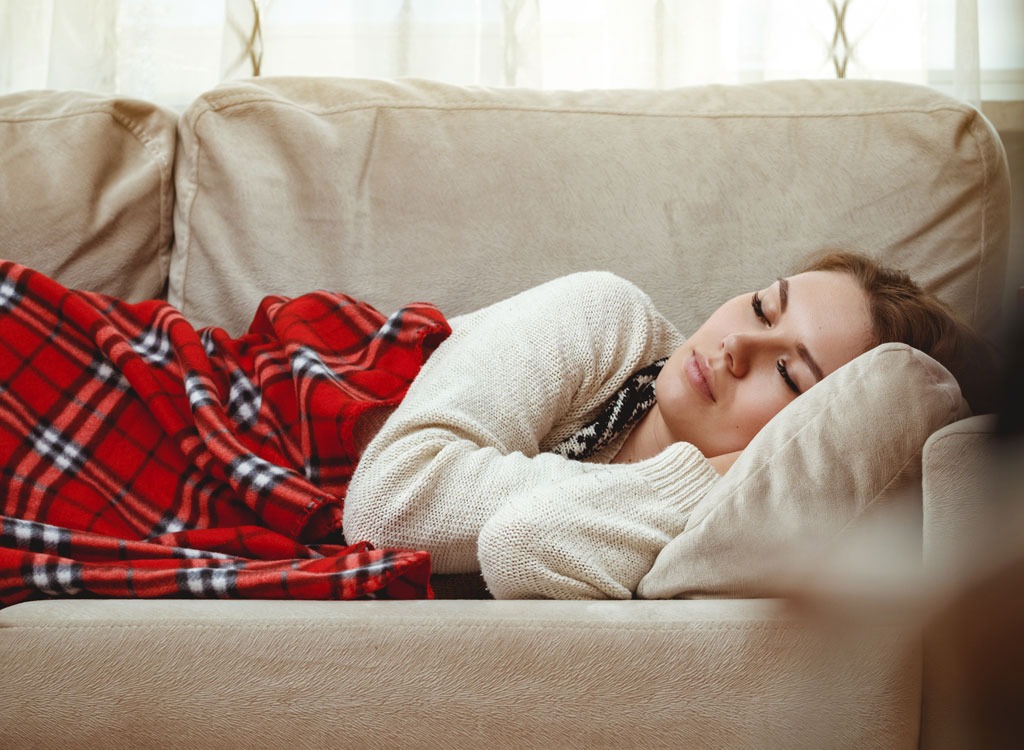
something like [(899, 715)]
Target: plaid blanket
[(144, 458)]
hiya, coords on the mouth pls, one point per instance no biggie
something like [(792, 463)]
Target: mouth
[(696, 369)]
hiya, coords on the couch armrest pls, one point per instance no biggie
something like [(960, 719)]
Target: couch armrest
[(957, 469), (957, 483)]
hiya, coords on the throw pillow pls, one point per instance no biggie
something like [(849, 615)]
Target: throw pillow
[(849, 445)]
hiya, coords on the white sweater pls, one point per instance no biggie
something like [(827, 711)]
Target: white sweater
[(459, 468)]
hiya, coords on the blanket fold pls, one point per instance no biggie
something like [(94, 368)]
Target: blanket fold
[(143, 457)]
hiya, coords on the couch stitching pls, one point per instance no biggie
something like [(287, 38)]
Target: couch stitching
[(166, 238), (185, 253), (986, 206), (244, 99), (100, 108)]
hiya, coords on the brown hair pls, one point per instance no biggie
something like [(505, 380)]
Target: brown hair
[(902, 311)]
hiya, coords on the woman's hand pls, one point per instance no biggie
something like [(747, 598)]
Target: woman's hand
[(722, 463)]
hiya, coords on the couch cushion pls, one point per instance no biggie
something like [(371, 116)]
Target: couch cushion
[(237, 675), (834, 457), (401, 190), (86, 189)]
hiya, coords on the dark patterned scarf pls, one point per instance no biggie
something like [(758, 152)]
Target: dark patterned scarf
[(631, 402)]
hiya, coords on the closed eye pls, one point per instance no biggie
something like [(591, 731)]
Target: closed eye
[(759, 309), (784, 372)]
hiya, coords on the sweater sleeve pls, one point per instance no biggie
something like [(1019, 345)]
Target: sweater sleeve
[(510, 381), (597, 536)]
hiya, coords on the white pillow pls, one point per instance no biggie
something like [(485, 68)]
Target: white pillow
[(849, 445)]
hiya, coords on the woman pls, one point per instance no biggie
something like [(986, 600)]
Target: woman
[(555, 441), (558, 440)]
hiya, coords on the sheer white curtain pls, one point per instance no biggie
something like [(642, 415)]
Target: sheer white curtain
[(171, 50)]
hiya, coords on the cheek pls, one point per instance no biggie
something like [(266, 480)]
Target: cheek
[(754, 408)]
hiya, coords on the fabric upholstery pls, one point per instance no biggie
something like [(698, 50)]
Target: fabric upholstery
[(85, 189), (847, 447), (443, 674), (392, 191), (961, 514), (958, 483)]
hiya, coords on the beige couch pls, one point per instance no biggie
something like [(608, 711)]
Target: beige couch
[(394, 191)]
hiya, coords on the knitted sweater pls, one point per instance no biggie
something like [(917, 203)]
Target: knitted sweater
[(459, 468)]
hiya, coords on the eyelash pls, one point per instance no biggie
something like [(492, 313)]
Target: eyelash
[(759, 309), (780, 365)]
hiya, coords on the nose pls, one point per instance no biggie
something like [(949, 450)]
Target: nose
[(737, 351)]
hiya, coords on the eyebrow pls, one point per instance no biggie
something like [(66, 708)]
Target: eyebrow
[(783, 293), (805, 355), (809, 360)]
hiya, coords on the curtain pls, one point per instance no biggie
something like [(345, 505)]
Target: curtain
[(171, 50)]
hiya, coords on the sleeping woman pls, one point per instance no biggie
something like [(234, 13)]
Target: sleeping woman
[(558, 440), (555, 441)]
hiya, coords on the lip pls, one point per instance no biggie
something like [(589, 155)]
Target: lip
[(696, 370)]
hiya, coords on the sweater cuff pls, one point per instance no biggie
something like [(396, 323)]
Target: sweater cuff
[(680, 472)]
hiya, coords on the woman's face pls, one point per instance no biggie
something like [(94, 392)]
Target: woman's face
[(756, 353)]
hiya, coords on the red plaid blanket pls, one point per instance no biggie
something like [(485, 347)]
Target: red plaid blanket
[(144, 458)]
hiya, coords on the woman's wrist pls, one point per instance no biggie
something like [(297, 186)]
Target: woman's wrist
[(679, 472)]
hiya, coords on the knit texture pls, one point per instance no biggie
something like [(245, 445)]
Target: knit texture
[(463, 467)]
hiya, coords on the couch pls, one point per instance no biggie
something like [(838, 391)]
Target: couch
[(399, 190)]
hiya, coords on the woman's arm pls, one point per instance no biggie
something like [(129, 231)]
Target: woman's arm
[(597, 536), (511, 381)]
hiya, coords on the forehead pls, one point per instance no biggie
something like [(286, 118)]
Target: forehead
[(829, 313)]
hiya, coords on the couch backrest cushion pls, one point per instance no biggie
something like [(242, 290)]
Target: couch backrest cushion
[(86, 189), (401, 190)]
